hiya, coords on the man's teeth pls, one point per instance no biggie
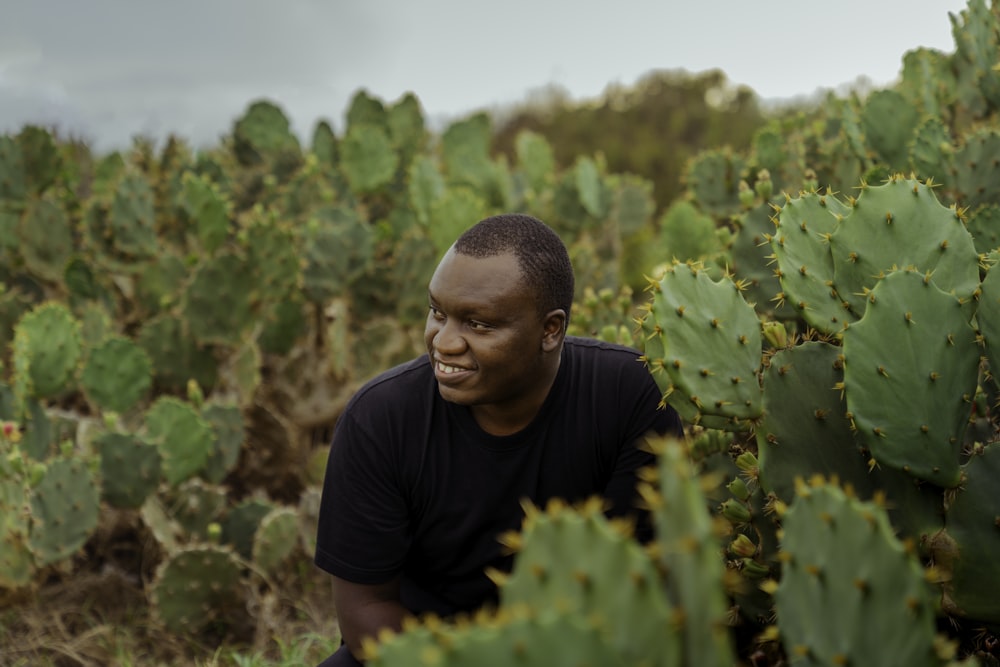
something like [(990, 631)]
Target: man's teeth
[(445, 368)]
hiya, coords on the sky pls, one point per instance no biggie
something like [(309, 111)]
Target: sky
[(108, 70)]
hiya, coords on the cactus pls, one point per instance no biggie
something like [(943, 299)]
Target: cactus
[(966, 550), (130, 469), (13, 188), (688, 548), (45, 238), (183, 437), (275, 539), (713, 177), (801, 246), (580, 561), (368, 158), (518, 637), (901, 224), (16, 562), (703, 346), (751, 265), (240, 525), (889, 122), (876, 610), (976, 173), (219, 280), (984, 226), (47, 349), (196, 586), (116, 374), (228, 435), (65, 504), (535, 159), (195, 506), (931, 150), (206, 206), (176, 357), (910, 371), (330, 271)]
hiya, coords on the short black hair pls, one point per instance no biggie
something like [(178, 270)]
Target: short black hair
[(539, 250)]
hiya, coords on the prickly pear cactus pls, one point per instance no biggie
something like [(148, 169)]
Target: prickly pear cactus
[(183, 437), (850, 592), (901, 224), (47, 348), (523, 637), (65, 504), (801, 245), (116, 374), (910, 372), (195, 586), (45, 238), (689, 549), (276, 539), (130, 469), (703, 344), (577, 559)]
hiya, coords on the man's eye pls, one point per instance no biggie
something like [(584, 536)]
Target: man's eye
[(435, 313), (478, 326)]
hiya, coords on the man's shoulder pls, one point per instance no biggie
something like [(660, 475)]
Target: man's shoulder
[(599, 351), (398, 382)]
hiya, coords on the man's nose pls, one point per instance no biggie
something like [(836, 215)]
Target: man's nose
[(448, 339)]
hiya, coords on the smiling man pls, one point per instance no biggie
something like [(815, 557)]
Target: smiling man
[(431, 460)]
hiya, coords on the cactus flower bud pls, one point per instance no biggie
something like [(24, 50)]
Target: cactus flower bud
[(735, 511), (11, 432), (738, 488), (747, 196), (742, 546), (775, 334), (747, 462), (36, 471)]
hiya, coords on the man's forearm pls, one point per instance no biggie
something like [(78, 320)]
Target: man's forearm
[(367, 619)]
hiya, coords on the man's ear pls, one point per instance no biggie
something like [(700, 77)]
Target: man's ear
[(554, 329)]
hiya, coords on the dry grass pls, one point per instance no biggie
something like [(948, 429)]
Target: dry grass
[(102, 619)]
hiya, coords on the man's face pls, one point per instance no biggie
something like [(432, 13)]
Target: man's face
[(484, 333)]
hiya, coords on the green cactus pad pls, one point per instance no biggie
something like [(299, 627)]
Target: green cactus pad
[(931, 151), (690, 552), (205, 204), (976, 172), (132, 217), (713, 176), (276, 539), (183, 437), (330, 266), (219, 280), (16, 562), (47, 349), (523, 637), (176, 357), (580, 560), (424, 185), (898, 225), (889, 122), (984, 226), (711, 344), (65, 505), (196, 586), (751, 263), (988, 318), (195, 505), (968, 551), (45, 239), (805, 429), (275, 259), (911, 367), (368, 158), (13, 188), (130, 469), (536, 159), (160, 283), (229, 432), (801, 249), (241, 523), (843, 562), (117, 374)]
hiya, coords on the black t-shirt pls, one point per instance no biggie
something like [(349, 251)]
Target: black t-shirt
[(415, 487)]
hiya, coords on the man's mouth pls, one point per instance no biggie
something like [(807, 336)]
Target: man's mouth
[(448, 369)]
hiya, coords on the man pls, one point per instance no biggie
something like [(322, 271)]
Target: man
[(431, 459)]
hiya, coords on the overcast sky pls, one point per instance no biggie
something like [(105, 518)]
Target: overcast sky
[(110, 69)]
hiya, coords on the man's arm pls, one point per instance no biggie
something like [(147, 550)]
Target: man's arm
[(364, 609)]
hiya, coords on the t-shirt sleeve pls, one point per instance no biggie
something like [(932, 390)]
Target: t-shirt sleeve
[(643, 416), (363, 531)]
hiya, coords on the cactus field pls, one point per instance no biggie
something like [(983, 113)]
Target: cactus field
[(180, 329)]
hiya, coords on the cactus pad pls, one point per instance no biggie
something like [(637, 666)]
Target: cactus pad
[(130, 469), (843, 560), (182, 436), (196, 586), (65, 505), (706, 340), (117, 374), (276, 538), (47, 348), (911, 367)]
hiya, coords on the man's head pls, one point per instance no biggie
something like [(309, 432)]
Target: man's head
[(499, 301), (541, 254)]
